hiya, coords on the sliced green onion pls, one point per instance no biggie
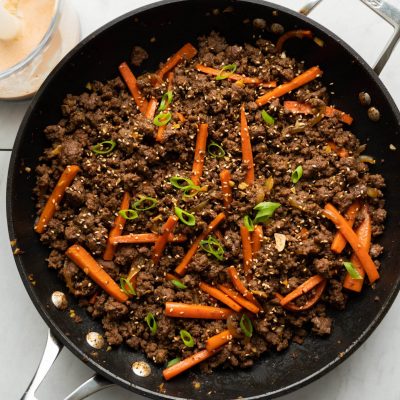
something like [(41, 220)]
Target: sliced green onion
[(213, 246), (248, 223), (185, 217), (297, 174), (104, 147), (173, 362), (352, 271), (182, 183), (267, 118), (265, 210), (178, 284), (191, 192), (166, 100), (144, 203), (228, 69), (126, 287), (215, 150), (162, 118), (246, 326), (187, 338), (128, 214), (151, 322)]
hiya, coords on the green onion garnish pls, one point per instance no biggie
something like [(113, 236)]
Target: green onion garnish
[(185, 217), (246, 326), (213, 246), (151, 322), (265, 210), (162, 118), (297, 174), (104, 147), (187, 338), (226, 72), (215, 150), (352, 271), (173, 362), (166, 100), (248, 223), (182, 183), (144, 203), (126, 287), (178, 284), (267, 118), (128, 214)]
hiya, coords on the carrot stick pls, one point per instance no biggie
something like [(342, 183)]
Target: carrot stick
[(319, 289), (131, 82), (55, 197), (226, 188), (221, 296), (361, 252), (95, 271), (180, 116), (216, 341), (247, 152), (187, 363), (291, 34), (199, 153), (117, 228), (151, 108), (363, 233), (340, 151), (257, 238), (187, 52), (162, 128), (181, 268), (305, 287), (246, 249), (182, 310), (162, 241), (300, 80), (170, 277), (239, 299), (339, 242), (146, 238), (240, 287), (235, 77), (304, 108)]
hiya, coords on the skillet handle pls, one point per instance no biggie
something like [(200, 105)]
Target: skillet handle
[(389, 10), (91, 386), (51, 351)]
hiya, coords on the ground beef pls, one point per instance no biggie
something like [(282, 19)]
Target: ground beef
[(143, 166)]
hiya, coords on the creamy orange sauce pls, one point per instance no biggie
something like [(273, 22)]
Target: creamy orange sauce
[(35, 16)]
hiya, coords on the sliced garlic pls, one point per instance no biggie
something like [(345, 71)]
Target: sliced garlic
[(280, 241), (141, 368), (95, 340), (59, 300)]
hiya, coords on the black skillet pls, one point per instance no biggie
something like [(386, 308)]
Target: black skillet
[(172, 23)]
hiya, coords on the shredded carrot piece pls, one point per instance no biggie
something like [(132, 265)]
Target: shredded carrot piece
[(240, 287), (226, 188), (187, 363), (187, 52), (219, 235), (55, 197), (146, 238), (247, 152), (300, 80), (304, 108), (161, 129), (339, 242), (235, 77), (239, 299), (257, 238), (162, 241), (319, 289), (340, 151), (365, 259), (305, 287), (182, 310), (363, 232), (199, 153), (216, 341), (171, 277), (181, 268), (131, 82), (300, 34), (180, 116), (151, 108), (246, 249), (221, 296), (94, 270), (117, 229)]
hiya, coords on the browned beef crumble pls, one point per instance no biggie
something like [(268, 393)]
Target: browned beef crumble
[(140, 165)]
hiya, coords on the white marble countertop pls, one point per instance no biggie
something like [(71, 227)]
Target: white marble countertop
[(371, 373)]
